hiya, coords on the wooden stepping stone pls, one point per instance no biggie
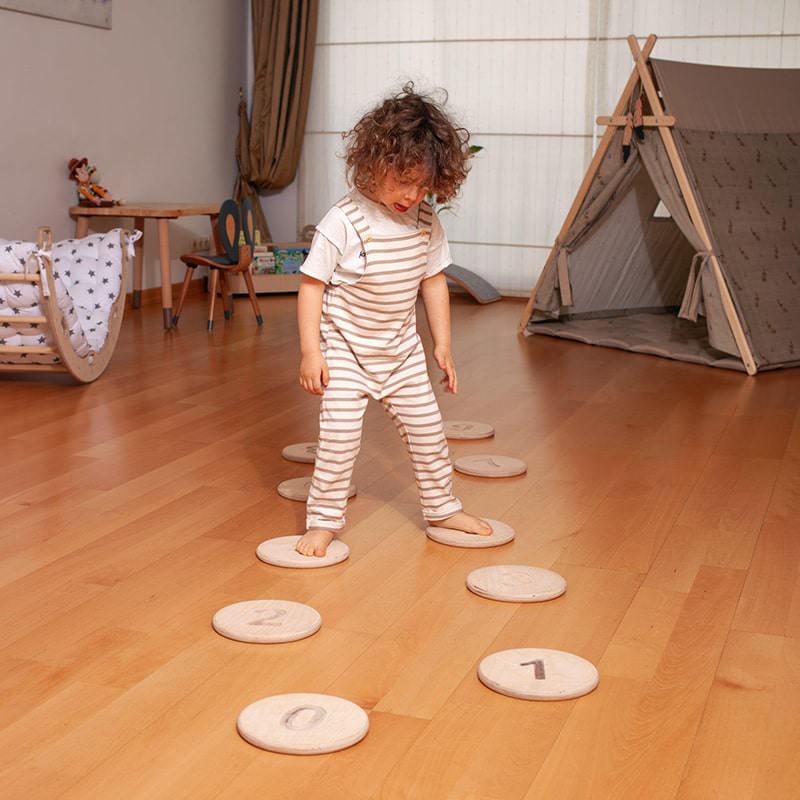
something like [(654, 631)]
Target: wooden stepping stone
[(280, 552), (459, 429), (267, 621), (298, 488), (488, 466), (303, 453), (501, 534), (534, 673), (516, 583), (303, 724)]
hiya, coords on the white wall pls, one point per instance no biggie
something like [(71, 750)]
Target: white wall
[(528, 78), (152, 102)]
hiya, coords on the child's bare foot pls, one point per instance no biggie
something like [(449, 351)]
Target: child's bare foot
[(461, 521), (315, 542)]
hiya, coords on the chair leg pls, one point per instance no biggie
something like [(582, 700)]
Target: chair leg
[(212, 296), (226, 298), (251, 291), (187, 278)]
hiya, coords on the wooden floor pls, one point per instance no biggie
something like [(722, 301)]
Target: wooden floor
[(667, 494)]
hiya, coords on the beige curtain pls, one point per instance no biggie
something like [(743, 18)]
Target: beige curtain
[(268, 147)]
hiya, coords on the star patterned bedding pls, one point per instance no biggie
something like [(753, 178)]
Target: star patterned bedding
[(87, 275)]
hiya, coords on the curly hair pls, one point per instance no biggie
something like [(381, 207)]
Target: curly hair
[(408, 131)]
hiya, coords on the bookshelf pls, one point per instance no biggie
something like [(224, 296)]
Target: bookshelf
[(269, 282)]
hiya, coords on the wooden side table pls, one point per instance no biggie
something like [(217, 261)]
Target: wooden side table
[(162, 213)]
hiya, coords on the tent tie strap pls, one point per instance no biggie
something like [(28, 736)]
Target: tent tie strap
[(693, 295), (634, 121), (562, 275)]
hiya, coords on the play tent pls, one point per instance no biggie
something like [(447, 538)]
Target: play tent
[(684, 238)]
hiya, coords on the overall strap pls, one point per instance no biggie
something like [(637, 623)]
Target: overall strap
[(355, 214), (425, 216)]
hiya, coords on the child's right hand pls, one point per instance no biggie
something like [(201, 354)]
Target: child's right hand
[(314, 372)]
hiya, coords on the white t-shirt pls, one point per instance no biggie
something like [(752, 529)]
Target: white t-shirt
[(335, 254)]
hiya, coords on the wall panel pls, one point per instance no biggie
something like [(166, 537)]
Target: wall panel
[(528, 78)]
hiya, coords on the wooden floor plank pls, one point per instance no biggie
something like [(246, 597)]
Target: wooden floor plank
[(650, 754), (667, 494), (734, 734)]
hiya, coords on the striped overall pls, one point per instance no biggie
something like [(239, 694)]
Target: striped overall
[(369, 339)]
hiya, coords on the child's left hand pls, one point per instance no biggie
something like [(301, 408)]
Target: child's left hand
[(444, 358)]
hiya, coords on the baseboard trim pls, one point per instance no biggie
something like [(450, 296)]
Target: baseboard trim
[(152, 296)]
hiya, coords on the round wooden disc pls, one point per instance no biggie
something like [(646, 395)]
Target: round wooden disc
[(280, 552), (516, 583), (303, 724), (489, 466), (461, 429), (303, 453), (297, 489), (532, 673), (501, 534), (267, 621)]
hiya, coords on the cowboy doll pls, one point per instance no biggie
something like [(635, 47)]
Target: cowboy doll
[(89, 193)]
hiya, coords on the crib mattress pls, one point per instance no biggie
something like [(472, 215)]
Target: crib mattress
[(87, 275)]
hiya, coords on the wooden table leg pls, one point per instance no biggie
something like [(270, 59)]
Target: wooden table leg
[(166, 272), (81, 227), (138, 259)]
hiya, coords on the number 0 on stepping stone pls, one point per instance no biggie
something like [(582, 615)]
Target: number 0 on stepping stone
[(303, 724)]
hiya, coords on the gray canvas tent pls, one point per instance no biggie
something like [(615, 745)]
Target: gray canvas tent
[(716, 280)]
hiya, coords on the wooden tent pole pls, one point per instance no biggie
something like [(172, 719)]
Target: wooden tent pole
[(583, 190), (640, 59)]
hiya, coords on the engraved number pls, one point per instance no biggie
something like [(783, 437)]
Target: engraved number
[(277, 613), (303, 718), (516, 578), (538, 668)]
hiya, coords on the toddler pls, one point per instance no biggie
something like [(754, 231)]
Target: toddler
[(372, 254)]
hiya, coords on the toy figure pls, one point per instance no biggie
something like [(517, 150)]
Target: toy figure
[(89, 193)]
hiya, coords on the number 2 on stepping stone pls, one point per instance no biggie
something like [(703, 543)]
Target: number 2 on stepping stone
[(277, 613), (299, 720), (538, 668)]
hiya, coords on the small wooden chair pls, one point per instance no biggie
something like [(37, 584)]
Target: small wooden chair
[(235, 258)]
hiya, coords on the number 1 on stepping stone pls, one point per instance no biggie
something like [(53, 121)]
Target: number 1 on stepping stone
[(534, 673), (538, 668)]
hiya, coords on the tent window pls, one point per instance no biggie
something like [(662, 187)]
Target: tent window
[(661, 212)]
